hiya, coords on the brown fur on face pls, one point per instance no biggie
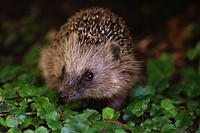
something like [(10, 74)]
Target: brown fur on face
[(67, 61)]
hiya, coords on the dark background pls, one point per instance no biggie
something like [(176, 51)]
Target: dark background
[(151, 22)]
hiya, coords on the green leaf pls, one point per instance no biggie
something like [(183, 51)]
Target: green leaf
[(23, 103), (14, 130), (91, 115), (26, 123), (142, 91), (161, 85), (41, 129), (156, 110), (194, 53), (138, 108), (119, 131), (10, 91), (17, 111), (67, 115), (192, 89), (5, 107), (74, 128), (160, 69), (28, 90), (21, 118), (131, 125), (11, 121), (51, 113), (116, 115), (108, 113), (36, 121), (42, 101), (169, 108), (28, 131), (184, 119), (54, 125), (2, 122), (168, 128), (68, 129), (156, 124), (96, 126), (47, 110)]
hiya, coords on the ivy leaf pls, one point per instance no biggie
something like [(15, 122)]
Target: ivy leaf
[(11, 121), (169, 108), (28, 131), (4, 107), (42, 101), (192, 89), (21, 119), (41, 129), (2, 122), (68, 129), (36, 121), (184, 119), (48, 113), (51, 113), (74, 128), (24, 103), (168, 128), (161, 85), (160, 69), (10, 91), (108, 113), (138, 108), (30, 90), (155, 110), (67, 115), (116, 115), (91, 115), (142, 91), (96, 127), (17, 112), (26, 123), (54, 125), (131, 125), (14, 130), (157, 123)]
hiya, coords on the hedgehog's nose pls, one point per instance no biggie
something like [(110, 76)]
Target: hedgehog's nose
[(62, 96)]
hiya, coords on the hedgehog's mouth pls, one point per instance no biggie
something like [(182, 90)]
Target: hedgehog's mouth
[(64, 96)]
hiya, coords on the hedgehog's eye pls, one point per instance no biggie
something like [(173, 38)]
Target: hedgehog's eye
[(63, 70), (89, 76), (62, 74)]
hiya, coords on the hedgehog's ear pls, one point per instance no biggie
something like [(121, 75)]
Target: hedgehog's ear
[(115, 50)]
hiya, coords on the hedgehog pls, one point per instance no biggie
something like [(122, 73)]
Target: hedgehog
[(91, 57)]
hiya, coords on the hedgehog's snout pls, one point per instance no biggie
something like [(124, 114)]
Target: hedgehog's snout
[(62, 96), (67, 95)]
